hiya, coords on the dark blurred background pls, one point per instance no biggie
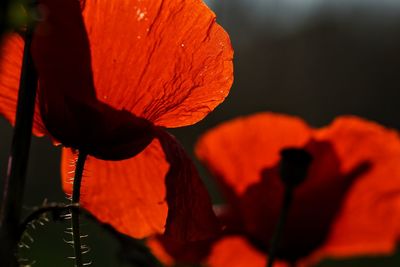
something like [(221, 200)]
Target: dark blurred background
[(313, 58)]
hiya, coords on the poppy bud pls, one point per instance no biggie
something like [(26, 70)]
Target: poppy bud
[(294, 166)]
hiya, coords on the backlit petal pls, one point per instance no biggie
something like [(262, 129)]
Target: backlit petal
[(154, 192), (158, 250), (68, 104), (244, 155), (369, 221), (129, 195), (10, 69), (164, 60), (237, 151), (348, 206), (172, 253), (316, 203), (230, 251), (235, 251)]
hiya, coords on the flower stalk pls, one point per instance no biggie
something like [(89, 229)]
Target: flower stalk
[(18, 160), (55, 209), (75, 220), (294, 167), (275, 241)]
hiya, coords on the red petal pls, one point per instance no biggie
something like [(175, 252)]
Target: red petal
[(230, 251), (181, 253), (167, 61), (128, 194), (10, 70), (237, 151), (170, 77), (235, 251), (316, 203), (135, 195), (60, 50), (69, 107), (369, 222), (158, 250)]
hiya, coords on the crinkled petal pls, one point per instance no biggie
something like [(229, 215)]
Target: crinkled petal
[(129, 194), (165, 60), (237, 151), (369, 221), (10, 69)]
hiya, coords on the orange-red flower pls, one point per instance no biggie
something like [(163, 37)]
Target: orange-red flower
[(110, 78), (349, 205)]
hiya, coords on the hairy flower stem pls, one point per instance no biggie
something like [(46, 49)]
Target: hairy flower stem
[(18, 160), (275, 241), (54, 208), (76, 194)]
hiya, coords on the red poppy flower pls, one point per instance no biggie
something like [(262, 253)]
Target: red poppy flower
[(110, 78), (349, 205)]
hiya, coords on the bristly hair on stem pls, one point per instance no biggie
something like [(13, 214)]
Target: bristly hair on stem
[(55, 209), (75, 221), (39, 217)]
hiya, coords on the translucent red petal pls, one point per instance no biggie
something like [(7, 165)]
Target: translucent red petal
[(156, 192), (12, 48), (129, 195), (165, 60)]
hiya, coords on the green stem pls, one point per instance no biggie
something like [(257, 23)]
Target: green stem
[(76, 193), (18, 160), (275, 241)]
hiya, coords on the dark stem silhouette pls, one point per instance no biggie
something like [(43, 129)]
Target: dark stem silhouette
[(14, 182), (75, 221), (56, 209), (275, 241), (294, 165)]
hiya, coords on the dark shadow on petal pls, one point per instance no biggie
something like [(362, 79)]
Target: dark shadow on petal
[(67, 97), (187, 253), (315, 205), (190, 214)]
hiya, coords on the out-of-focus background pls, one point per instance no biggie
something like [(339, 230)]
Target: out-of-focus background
[(313, 58)]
